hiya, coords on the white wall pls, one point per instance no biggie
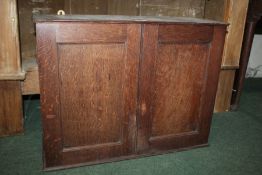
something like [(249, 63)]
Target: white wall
[(254, 68)]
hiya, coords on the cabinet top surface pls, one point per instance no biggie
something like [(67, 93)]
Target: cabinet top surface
[(123, 19)]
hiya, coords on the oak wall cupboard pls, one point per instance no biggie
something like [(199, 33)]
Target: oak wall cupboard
[(116, 87)]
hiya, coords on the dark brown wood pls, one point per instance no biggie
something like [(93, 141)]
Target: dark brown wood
[(115, 90), (177, 88), (120, 158), (49, 90), (185, 34), (88, 33), (254, 14), (93, 86)]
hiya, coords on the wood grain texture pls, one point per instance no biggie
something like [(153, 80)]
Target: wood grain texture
[(10, 66), (179, 82), (185, 34), (224, 91), (173, 87), (92, 83), (97, 79), (85, 33), (233, 12), (189, 8), (235, 15), (26, 9), (85, 7), (142, 90), (30, 85), (213, 69), (11, 115), (216, 9), (49, 93), (122, 19), (128, 123), (120, 7)]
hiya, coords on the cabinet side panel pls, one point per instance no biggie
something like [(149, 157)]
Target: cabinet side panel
[(216, 50)]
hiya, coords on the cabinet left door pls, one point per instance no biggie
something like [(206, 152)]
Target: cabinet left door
[(88, 84)]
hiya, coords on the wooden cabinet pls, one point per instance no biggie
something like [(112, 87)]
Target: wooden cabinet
[(119, 87)]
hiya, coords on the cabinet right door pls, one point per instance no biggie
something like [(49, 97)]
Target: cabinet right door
[(178, 81)]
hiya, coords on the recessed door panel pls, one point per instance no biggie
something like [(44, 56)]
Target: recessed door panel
[(179, 81), (91, 93)]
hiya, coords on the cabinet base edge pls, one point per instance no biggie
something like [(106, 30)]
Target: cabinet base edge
[(123, 158)]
